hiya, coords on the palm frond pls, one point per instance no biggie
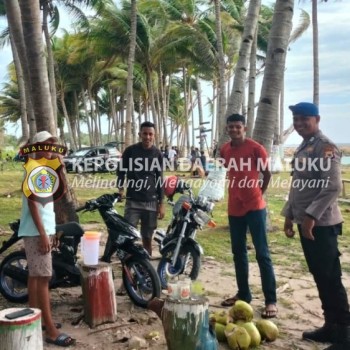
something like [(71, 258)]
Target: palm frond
[(304, 23)]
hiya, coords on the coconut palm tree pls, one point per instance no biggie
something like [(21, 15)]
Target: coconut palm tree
[(221, 104), (13, 14), (235, 102), (129, 82), (35, 53), (38, 81), (274, 70)]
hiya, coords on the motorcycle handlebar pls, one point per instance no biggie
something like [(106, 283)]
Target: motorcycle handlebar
[(77, 210), (106, 199)]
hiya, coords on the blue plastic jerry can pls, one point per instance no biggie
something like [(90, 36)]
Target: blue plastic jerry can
[(207, 339)]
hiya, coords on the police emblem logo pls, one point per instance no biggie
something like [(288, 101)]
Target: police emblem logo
[(328, 151), (43, 181)]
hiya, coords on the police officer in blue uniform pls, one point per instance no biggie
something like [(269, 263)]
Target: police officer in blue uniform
[(312, 205)]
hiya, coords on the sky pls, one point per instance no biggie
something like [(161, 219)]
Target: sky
[(334, 57)]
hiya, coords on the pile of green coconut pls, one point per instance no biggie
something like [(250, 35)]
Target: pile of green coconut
[(237, 327)]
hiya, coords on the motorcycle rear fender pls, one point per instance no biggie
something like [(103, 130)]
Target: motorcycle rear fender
[(11, 241), (197, 247), (136, 250), (70, 229)]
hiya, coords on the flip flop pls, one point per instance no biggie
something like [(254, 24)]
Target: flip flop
[(57, 325), (268, 312), (62, 339), (230, 301)]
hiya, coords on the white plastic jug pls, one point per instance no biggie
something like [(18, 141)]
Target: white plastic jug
[(90, 244)]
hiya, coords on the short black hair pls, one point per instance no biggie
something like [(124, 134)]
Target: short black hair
[(147, 124), (235, 118)]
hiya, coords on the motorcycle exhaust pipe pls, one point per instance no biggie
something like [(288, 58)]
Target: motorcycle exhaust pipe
[(16, 273)]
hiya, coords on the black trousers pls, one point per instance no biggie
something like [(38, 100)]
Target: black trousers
[(322, 257)]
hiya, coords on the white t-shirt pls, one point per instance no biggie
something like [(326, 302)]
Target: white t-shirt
[(172, 153)]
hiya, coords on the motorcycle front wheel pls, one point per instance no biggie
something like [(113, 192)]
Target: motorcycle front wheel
[(14, 265), (188, 263), (141, 281)]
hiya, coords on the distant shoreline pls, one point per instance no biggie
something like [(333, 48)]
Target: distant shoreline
[(290, 149)]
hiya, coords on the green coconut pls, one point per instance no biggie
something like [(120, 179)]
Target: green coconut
[(222, 317), (241, 311), (255, 337), (267, 329), (239, 338), (229, 328), (220, 332), (232, 341)]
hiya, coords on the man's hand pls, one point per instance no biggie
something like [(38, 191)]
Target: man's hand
[(307, 226), (55, 241), (161, 211), (288, 228), (45, 244)]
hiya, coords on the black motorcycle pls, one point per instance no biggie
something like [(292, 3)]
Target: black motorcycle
[(181, 253), (139, 276), (65, 272)]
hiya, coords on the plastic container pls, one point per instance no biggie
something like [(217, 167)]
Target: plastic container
[(185, 289), (173, 289), (213, 187), (90, 244)]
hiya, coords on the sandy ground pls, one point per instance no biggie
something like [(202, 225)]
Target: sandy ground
[(298, 306)]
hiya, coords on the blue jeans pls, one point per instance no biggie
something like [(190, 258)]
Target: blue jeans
[(256, 221)]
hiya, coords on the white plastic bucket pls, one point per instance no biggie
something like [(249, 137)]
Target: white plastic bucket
[(90, 244)]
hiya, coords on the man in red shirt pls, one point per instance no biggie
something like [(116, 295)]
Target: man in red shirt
[(249, 176)]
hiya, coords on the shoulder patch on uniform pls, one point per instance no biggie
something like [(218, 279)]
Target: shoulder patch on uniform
[(328, 151)]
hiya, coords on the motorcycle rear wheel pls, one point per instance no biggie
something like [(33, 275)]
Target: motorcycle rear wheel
[(12, 289), (140, 281), (166, 270)]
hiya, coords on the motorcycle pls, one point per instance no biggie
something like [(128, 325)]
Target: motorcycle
[(180, 252), (139, 276)]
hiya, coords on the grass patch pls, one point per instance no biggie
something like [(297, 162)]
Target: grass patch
[(215, 241)]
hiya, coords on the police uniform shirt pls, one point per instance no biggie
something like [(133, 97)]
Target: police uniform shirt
[(316, 182)]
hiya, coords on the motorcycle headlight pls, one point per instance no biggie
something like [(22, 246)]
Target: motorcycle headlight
[(206, 204), (209, 207), (201, 218)]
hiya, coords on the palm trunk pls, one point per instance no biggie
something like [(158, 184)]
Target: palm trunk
[(153, 106), (273, 77), (129, 83), (200, 112), (251, 88), (66, 116), (50, 62), (316, 77), (13, 13), (235, 102), (41, 98), (22, 93), (221, 99)]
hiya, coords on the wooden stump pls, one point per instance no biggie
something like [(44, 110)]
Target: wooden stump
[(22, 333), (100, 305), (186, 325)]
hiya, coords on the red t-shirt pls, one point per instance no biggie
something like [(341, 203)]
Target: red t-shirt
[(244, 164)]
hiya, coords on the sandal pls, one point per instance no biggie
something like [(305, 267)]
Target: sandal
[(62, 339), (57, 325), (230, 301), (270, 311)]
